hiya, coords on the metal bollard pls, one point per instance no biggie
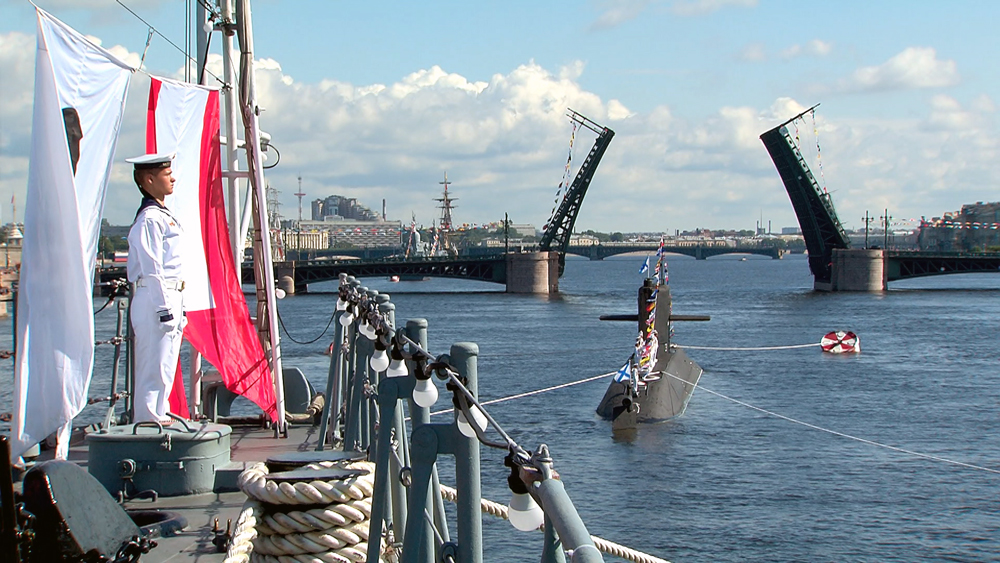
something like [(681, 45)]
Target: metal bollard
[(464, 357)]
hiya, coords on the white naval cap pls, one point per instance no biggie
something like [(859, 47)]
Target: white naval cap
[(149, 161)]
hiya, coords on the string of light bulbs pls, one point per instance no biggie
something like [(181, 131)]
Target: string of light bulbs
[(392, 348)]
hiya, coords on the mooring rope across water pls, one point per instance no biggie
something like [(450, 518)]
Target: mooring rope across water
[(535, 392), (930, 457), (751, 349), (611, 548)]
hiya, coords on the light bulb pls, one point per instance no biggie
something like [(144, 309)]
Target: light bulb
[(396, 369), (425, 393), (524, 513), (279, 293), (366, 329), (379, 360), (346, 319), (207, 26), (341, 304), (463, 424)]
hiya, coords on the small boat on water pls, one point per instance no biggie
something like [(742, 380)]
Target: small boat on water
[(394, 278)]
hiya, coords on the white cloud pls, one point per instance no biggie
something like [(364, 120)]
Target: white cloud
[(947, 114), (617, 12), (753, 52), (702, 7), (814, 48), (914, 67), (504, 142)]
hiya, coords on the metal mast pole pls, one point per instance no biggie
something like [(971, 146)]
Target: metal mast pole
[(232, 117), (265, 267)]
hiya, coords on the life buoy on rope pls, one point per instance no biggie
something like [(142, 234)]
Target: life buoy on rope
[(841, 342)]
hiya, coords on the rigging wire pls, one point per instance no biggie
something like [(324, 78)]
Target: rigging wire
[(819, 155), (837, 433), (536, 392), (284, 328), (152, 30)]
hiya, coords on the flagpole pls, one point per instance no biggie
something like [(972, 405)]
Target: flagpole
[(265, 268)]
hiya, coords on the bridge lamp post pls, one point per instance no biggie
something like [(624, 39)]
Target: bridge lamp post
[(867, 219), (885, 225), (506, 234)]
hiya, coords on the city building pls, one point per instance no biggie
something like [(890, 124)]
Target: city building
[(976, 227), (522, 229), (341, 231), (340, 207)]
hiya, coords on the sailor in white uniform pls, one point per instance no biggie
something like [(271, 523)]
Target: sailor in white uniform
[(154, 266)]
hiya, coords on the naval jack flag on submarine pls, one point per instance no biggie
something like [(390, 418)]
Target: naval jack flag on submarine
[(80, 92)]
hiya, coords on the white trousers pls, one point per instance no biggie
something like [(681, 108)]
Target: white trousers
[(155, 358)]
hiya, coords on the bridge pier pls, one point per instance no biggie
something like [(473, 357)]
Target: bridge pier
[(856, 270), (284, 276), (533, 272)]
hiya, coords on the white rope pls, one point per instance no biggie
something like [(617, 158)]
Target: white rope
[(254, 483), (536, 392), (241, 545), (611, 548), (337, 533), (842, 434), (298, 522), (790, 347), (351, 556)]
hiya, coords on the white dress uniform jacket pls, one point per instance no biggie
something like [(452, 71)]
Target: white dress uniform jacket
[(154, 266)]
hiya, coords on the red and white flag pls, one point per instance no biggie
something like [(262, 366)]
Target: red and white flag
[(184, 118)]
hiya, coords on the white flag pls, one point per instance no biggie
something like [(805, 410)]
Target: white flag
[(80, 92)]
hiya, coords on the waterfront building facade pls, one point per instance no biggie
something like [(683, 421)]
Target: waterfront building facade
[(974, 228)]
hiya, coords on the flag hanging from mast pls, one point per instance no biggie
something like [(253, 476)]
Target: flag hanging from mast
[(185, 118), (80, 92)]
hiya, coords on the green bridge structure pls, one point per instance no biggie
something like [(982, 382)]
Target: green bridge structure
[(697, 251), (834, 264)]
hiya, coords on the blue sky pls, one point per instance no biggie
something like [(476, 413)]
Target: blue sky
[(377, 99)]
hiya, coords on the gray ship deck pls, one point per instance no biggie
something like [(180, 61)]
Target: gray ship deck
[(194, 543)]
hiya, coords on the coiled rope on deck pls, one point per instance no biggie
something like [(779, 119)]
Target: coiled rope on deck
[(269, 532), (255, 484), (611, 548), (241, 545)]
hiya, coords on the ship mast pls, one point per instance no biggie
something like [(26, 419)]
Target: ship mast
[(445, 224), (238, 22)]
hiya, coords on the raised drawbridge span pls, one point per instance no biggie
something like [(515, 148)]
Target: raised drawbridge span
[(560, 226), (813, 206), (834, 265)]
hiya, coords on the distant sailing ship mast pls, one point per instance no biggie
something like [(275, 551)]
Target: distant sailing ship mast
[(445, 224)]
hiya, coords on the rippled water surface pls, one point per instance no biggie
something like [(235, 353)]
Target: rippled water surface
[(753, 480)]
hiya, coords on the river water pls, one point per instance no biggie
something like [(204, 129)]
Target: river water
[(807, 466)]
